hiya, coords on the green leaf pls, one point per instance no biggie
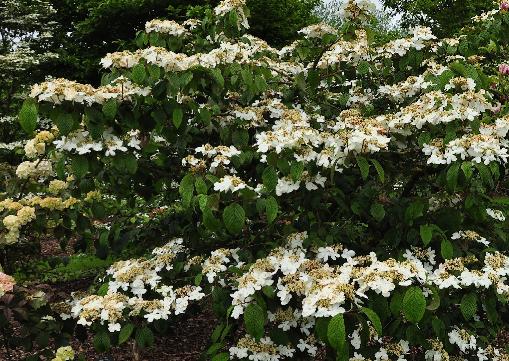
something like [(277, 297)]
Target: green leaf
[(254, 320), (28, 116), (224, 356), (144, 337), (375, 320), (485, 174), (468, 305), (363, 68), (395, 304), (217, 76), (210, 221), (64, 123), (435, 299), (414, 211), (363, 166), (336, 333), (201, 186), (125, 332), (379, 169), (186, 189), (426, 232), (321, 327), (79, 166), (138, 73), (377, 211), (110, 109), (269, 178), (102, 342), (296, 170), (446, 249), (452, 176), (177, 117), (414, 304), (466, 167), (271, 209), (234, 218)]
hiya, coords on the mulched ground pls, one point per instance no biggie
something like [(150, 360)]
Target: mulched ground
[(185, 342)]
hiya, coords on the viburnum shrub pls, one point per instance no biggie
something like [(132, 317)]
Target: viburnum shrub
[(337, 194)]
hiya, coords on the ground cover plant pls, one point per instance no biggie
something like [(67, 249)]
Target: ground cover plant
[(343, 197)]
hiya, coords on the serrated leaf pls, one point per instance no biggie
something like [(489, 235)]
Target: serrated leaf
[(269, 178), (144, 337), (336, 332), (186, 189), (468, 305), (201, 186), (102, 342), (234, 218), (377, 211), (426, 232), (110, 109), (79, 165), (435, 299), (379, 169), (65, 123), (446, 249), (452, 176), (138, 73), (363, 166), (125, 332), (28, 116), (296, 170), (177, 117), (467, 169), (485, 174), (271, 209), (414, 304), (321, 327), (395, 304), (211, 222), (375, 320), (217, 76), (254, 320)]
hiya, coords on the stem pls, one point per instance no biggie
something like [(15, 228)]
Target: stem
[(136, 352)]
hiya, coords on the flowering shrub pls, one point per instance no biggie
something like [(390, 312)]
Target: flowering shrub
[(338, 194)]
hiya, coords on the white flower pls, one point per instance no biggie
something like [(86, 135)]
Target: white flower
[(496, 214)]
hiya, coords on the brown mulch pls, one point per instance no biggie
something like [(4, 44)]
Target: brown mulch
[(186, 341)]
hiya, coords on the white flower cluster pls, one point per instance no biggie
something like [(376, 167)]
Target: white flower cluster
[(141, 278), (59, 90), (496, 214), (421, 37), (219, 156), (37, 146), (325, 289), (263, 350), (226, 53), (168, 27), (318, 31), (488, 146), (81, 142), (412, 86), (357, 10), (237, 6), (35, 170), (470, 236)]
